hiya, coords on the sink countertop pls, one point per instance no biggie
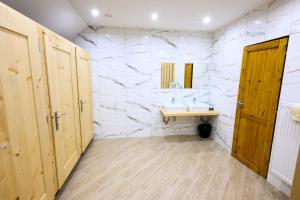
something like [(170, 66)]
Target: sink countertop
[(166, 113)]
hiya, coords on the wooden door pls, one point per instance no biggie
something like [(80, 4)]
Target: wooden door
[(85, 96), (61, 70), (21, 169), (257, 103), (296, 182)]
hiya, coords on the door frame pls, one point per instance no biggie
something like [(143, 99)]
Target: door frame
[(268, 147)]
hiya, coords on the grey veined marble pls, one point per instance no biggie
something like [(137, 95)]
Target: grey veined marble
[(126, 66), (126, 70)]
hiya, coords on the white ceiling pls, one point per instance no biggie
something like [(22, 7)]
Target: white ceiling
[(173, 14), (69, 17)]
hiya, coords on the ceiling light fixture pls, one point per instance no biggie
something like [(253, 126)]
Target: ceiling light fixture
[(154, 16), (206, 20), (257, 22), (95, 12)]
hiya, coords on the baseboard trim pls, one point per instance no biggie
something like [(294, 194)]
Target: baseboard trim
[(215, 137), (279, 184)]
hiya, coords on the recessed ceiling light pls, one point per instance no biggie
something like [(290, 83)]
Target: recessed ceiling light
[(206, 20), (95, 12), (257, 22), (154, 16), (146, 36), (107, 35)]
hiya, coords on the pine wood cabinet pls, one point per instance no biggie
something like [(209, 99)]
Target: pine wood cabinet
[(45, 108), (85, 96)]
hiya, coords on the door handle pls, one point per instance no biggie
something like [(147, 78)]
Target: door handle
[(240, 103), (2, 146), (56, 118), (81, 105)]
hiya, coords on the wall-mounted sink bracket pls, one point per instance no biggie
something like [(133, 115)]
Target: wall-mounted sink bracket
[(205, 119), (167, 119)]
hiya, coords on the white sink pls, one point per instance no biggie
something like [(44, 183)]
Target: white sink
[(175, 107), (198, 107)]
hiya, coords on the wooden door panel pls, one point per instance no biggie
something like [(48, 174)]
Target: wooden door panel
[(8, 186), (61, 69), (252, 129), (257, 103), (21, 166), (85, 97), (257, 85)]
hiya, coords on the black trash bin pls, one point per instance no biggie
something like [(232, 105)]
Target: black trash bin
[(204, 130)]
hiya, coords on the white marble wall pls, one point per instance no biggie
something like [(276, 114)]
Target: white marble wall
[(126, 78), (277, 19)]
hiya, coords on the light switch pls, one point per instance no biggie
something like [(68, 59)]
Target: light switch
[(296, 112)]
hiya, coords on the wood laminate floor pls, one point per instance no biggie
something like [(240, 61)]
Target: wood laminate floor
[(173, 167)]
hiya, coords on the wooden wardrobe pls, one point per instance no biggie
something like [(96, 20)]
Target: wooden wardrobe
[(46, 108)]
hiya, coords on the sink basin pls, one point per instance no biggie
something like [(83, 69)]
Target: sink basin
[(198, 107), (175, 107)]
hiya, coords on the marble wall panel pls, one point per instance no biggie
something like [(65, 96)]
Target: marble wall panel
[(126, 64)]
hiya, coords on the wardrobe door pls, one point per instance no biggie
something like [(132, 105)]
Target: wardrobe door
[(61, 70), (21, 169), (85, 96)]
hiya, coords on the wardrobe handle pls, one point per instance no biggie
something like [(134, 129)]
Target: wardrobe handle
[(56, 117)]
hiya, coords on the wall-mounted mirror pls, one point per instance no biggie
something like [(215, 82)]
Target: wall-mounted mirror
[(188, 75), (167, 75), (177, 76)]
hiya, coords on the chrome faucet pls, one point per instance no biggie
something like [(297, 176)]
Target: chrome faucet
[(194, 99), (173, 100)]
